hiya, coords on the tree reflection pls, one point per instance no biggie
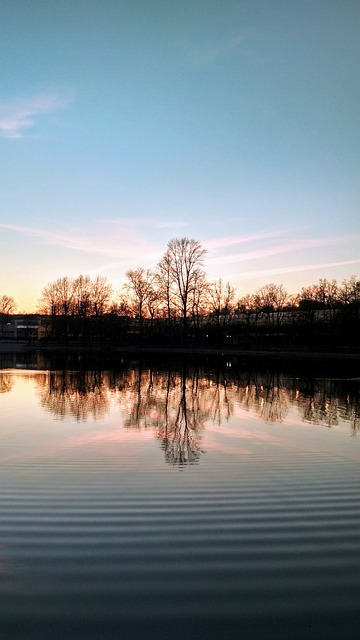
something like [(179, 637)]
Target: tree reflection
[(328, 401), (179, 434), (6, 382), (177, 403), (266, 395), (80, 394)]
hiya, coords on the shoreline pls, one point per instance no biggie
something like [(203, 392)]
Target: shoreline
[(278, 354)]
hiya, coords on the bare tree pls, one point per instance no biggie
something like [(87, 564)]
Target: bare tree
[(184, 259), (320, 301), (82, 306), (101, 293), (247, 314), (64, 291), (271, 300), (7, 305), (199, 299), (48, 303), (327, 293), (122, 307), (70, 300), (164, 276), (349, 293), (308, 308), (140, 287), (220, 303), (153, 301), (56, 300), (349, 298)]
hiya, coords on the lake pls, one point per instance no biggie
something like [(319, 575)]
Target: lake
[(178, 498)]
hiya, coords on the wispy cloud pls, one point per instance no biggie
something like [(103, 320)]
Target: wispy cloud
[(223, 243), (291, 246), (295, 269), (76, 240), (125, 243), (18, 116)]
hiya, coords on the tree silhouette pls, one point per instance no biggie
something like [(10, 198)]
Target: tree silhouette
[(175, 301), (72, 301), (7, 305), (220, 304), (164, 277), (271, 300), (185, 259), (142, 293)]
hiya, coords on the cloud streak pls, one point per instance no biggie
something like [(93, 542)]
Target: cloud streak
[(279, 249), (17, 117), (124, 240), (295, 269), (123, 244), (223, 243), (126, 243), (123, 237)]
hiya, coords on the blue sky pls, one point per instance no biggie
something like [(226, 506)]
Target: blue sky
[(124, 123)]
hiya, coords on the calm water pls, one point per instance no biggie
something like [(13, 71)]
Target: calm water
[(156, 501)]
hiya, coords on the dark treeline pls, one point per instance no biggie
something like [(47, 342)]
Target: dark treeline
[(174, 304)]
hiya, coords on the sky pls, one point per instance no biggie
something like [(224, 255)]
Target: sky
[(125, 123)]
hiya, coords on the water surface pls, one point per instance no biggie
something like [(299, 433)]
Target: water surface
[(169, 501)]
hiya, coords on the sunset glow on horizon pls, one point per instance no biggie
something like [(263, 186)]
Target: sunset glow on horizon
[(123, 125)]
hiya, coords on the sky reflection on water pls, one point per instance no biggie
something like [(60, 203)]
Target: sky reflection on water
[(188, 411), (101, 537)]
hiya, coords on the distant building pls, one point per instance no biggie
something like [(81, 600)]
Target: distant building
[(30, 327)]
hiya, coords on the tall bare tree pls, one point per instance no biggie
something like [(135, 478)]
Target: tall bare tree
[(164, 276), (185, 259)]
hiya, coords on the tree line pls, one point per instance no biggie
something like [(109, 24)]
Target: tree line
[(174, 303)]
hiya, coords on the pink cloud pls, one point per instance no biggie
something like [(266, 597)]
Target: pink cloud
[(117, 243), (286, 247), (222, 243), (296, 269), (20, 115)]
